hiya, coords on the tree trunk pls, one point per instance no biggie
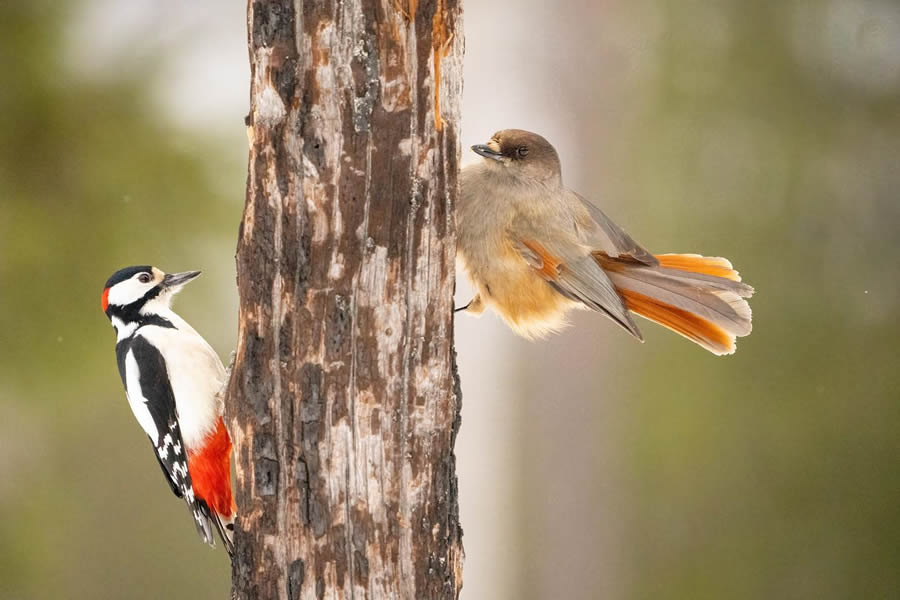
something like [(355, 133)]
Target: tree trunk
[(343, 403)]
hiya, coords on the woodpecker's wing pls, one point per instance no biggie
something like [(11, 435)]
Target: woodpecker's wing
[(176, 489), (578, 278), (143, 370), (603, 235)]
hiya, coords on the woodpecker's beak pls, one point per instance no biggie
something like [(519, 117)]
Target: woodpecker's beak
[(173, 280), (487, 151)]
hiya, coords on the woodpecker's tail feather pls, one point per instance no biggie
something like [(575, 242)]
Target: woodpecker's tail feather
[(225, 526), (699, 297)]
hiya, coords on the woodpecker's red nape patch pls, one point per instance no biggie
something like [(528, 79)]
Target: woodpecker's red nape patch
[(104, 299), (210, 469)]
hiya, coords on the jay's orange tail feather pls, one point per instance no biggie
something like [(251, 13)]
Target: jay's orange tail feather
[(695, 328), (699, 297), (694, 263)]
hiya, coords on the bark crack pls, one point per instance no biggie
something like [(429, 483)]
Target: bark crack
[(281, 517)]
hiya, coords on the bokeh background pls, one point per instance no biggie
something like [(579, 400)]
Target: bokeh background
[(590, 466)]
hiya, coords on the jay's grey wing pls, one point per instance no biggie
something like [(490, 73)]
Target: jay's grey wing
[(603, 235)]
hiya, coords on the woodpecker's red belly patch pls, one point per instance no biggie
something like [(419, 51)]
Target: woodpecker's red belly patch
[(210, 469)]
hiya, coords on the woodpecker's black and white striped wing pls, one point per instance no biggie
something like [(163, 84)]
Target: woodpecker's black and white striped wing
[(144, 373)]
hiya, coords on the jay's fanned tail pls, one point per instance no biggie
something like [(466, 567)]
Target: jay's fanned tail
[(699, 297)]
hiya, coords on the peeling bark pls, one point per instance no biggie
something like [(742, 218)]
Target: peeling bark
[(343, 403)]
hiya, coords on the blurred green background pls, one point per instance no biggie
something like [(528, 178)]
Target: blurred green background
[(590, 466)]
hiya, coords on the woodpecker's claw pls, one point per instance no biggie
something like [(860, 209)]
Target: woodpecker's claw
[(230, 366)]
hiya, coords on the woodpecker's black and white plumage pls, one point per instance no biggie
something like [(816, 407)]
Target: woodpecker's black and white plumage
[(173, 380)]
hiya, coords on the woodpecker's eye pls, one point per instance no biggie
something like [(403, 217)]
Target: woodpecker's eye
[(144, 277), (522, 151)]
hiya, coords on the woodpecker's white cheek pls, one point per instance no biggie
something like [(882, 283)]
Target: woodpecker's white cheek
[(136, 398), (126, 292)]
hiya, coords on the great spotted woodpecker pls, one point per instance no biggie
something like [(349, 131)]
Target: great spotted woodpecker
[(172, 380)]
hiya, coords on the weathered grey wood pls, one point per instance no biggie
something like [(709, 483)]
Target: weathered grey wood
[(343, 403)]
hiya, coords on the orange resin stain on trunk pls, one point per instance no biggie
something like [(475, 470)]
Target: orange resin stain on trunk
[(210, 469)]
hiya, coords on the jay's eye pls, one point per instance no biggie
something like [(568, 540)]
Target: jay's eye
[(522, 151)]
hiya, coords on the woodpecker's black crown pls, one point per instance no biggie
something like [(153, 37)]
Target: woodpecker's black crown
[(126, 273)]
